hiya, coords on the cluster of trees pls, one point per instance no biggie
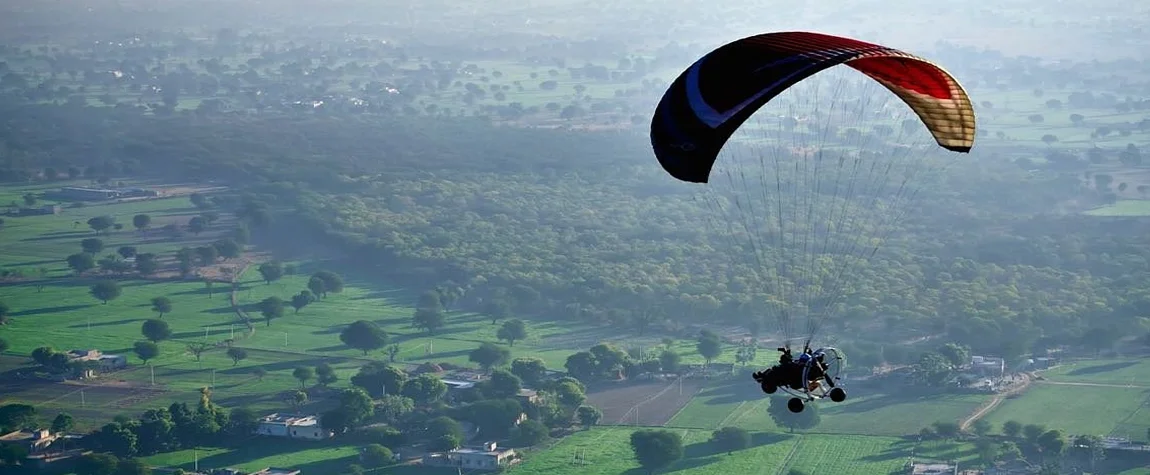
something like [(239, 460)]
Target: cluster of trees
[(1015, 441), (319, 286)]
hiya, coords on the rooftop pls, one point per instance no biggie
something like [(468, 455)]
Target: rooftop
[(932, 469), (277, 471), (26, 435), (290, 419)]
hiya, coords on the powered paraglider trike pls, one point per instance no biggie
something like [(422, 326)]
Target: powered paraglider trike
[(817, 183)]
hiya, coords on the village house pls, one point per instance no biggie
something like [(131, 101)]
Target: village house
[(45, 210), (88, 362), (988, 366), (932, 468), (34, 441), (528, 395), (486, 457), (293, 427)]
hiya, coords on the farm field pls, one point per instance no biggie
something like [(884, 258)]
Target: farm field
[(607, 451), (59, 312), (644, 404), (735, 402)]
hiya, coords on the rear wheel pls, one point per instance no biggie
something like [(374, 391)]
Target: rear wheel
[(795, 405), (838, 395)]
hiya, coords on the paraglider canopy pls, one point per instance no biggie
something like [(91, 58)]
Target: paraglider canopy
[(710, 100)]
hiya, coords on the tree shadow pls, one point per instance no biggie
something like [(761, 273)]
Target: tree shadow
[(326, 349), (107, 324), (1106, 368), (45, 310)]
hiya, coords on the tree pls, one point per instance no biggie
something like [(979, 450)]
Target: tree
[(493, 417), (301, 300), (529, 370), (1077, 119), (3, 345), (197, 225), (1031, 432), (81, 262), (332, 283), (105, 290), (1011, 428), (569, 395), (62, 423), (92, 246), (392, 408), (489, 355), (199, 348), (980, 427), (227, 248), (156, 330), (259, 373), (1049, 139), (512, 330), (271, 308), (97, 464), (429, 320), (1051, 442), (392, 352), (101, 223), (709, 346), (656, 448), (161, 305), (783, 417), (303, 374), (325, 375), (669, 361), (271, 271), (932, 369), (502, 384), (298, 398), (317, 287), (376, 456), (141, 221), (424, 389), (5, 311), (146, 350), (364, 336), (530, 433), (146, 264), (430, 300), (729, 439), (237, 354), (444, 433), (746, 353), (588, 416), (946, 429), (956, 355), (207, 255), (379, 378)]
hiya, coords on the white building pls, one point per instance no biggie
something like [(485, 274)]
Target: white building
[(487, 457), (293, 427)]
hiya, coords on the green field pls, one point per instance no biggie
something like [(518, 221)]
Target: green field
[(736, 403), (607, 451), (1123, 208)]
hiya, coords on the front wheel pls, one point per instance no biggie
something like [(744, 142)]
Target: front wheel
[(795, 405), (769, 388), (838, 395)]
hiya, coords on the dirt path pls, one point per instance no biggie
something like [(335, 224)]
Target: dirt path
[(995, 401)]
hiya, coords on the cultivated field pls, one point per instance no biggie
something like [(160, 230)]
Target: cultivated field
[(643, 404), (740, 402), (607, 451), (1100, 397)]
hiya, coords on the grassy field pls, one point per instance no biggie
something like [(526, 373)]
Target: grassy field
[(740, 403), (607, 451), (1102, 397), (60, 313), (1123, 208)]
